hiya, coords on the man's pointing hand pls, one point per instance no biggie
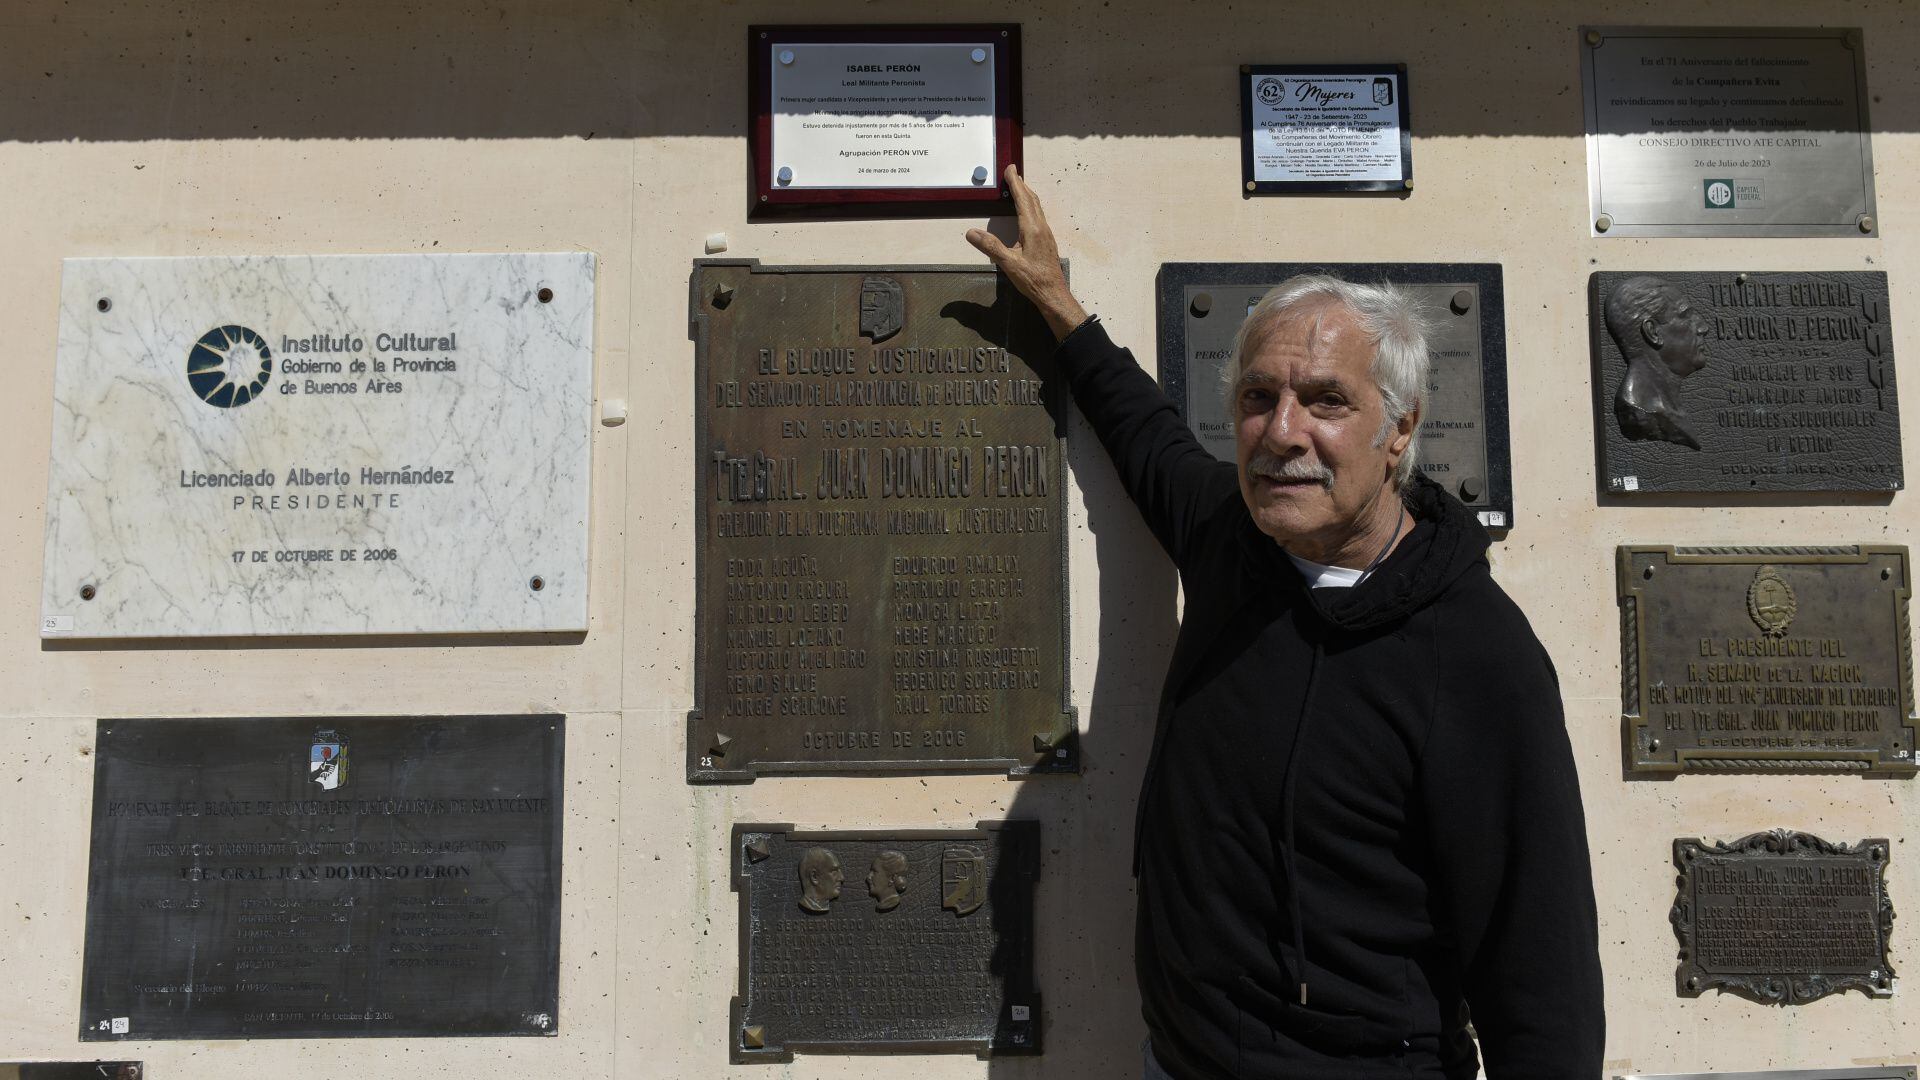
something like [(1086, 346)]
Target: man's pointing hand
[(1032, 264)]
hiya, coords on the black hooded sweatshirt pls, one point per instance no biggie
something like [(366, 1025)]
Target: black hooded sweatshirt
[(1361, 815)]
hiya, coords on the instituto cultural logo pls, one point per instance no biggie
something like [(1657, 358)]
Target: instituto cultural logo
[(1719, 194), (229, 366), (327, 763), (1269, 91), (1770, 601)]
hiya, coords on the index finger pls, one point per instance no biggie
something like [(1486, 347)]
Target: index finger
[(1025, 202)]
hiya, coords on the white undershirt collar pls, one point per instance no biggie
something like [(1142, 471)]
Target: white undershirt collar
[(1326, 577)]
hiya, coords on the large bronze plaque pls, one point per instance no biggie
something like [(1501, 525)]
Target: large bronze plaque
[(1463, 442), (1766, 658), (881, 552), (329, 876), (1782, 917), (902, 942), (1744, 382)]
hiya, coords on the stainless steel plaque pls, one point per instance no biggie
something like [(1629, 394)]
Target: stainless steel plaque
[(1782, 917), (1855, 1073), (881, 547), (1463, 437), (885, 941), (1727, 131), (1766, 658), (324, 877)]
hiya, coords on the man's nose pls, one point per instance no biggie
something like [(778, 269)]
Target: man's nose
[(1286, 429)]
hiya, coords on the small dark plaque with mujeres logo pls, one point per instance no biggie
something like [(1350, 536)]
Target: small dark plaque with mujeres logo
[(881, 530), (1463, 443), (885, 941), (1745, 659), (324, 877), (1782, 917), (1744, 382)]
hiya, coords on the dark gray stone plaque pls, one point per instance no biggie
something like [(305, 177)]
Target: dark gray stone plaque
[(330, 876), (899, 942), (72, 1070), (1782, 917), (1857, 1072), (1463, 440), (881, 534), (1773, 659), (1744, 382)]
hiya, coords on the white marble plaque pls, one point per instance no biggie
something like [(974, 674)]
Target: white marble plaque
[(379, 444)]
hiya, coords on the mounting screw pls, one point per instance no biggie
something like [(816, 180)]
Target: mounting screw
[(1603, 223), (1653, 744), (978, 56), (1249, 185), (536, 583), (722, 295), (104, 304), (786, 56), (1647, 573), (1594, 39), (545, 295), (1462, 302), (1866, 223), (1693, 983), (1201, 304), (1246, 69), (979, 174), (1741, 277), (785, 175), (88, 592)]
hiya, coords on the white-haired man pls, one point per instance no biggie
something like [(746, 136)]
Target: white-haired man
[(1360, 828)]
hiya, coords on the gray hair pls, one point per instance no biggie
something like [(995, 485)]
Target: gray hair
[(1395, 326)]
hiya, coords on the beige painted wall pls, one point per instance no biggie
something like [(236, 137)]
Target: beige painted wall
[(202, 127)]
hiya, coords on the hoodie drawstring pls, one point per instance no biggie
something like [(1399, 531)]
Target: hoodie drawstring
[(1287, 787)]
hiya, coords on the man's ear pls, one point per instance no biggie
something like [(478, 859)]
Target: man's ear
[(1402, 436)]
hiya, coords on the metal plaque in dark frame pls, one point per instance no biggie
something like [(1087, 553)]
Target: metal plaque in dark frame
[(1743, 659), (768, 200), (875, 592), (72, 1070), (1465, 426), (1745, 923), (885, 941), (321, 877), (1250, 185), (1744, 383)]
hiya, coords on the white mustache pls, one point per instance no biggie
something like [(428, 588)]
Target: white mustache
[(1272, 466)]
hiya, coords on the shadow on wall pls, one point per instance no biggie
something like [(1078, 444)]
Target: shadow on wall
[(227, 69)]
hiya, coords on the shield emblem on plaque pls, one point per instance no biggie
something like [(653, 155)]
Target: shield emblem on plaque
[(1770, 602), (963, 877), (327, 762)]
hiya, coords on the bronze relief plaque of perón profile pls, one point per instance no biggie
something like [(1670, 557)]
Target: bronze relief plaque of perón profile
[(1782, 917), (885, 941), (1766, 659), (313, 877), (1463, 441), (1744, 382), (881, 544)]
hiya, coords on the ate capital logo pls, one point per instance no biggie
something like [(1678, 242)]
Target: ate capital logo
[(1719, 194), (229, 366), (1268, 90)]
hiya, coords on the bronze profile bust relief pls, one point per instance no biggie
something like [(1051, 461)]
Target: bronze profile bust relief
[(820, 879), (1659, 334), (887, 880)]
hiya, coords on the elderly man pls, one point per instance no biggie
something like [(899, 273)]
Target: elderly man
[(1360, 819)]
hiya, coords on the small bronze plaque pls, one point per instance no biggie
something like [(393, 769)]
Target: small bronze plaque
[(1766, 658), (881, 546), (1744, 382), (327, 876), (1782, 917), (901, 942), (1463, 442)]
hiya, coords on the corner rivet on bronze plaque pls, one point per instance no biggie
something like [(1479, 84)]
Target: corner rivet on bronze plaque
[(1042, 743), (722, 296), (753, 1038), (1741, 277), (1594, 39), (1866, 223), (758, 848), (720, 743)]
